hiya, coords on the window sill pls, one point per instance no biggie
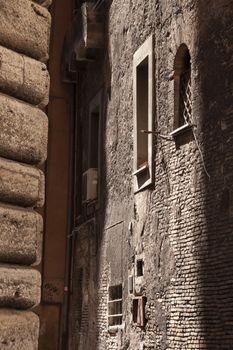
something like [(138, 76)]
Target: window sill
[(145, 186), (141, 170), (115, 329), (143, 178), (181, 129)]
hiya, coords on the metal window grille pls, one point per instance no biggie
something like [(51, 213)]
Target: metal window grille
[(115, 306), (185, 98)]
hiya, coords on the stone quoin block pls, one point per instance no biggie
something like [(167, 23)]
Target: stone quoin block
[(23, 131), (20, 236), (19, 287), (19, 330), (21, 184), (23, 77), (25, 28)]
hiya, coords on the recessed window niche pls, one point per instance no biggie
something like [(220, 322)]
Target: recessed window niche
[(143, 81)]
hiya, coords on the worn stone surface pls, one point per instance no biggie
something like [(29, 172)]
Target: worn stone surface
[(19, 287), (25, 28), (21, 184), (18, 330), (24, 91), (23, 132), (20, 235), (23, 77)]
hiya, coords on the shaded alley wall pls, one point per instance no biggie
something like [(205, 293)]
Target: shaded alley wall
[(180, 227), (52, 309)]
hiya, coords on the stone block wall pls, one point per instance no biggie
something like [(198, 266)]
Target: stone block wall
[(24, 93)]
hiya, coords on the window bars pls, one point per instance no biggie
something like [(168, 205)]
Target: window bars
[(185, 115)]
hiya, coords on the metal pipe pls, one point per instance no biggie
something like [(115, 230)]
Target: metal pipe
[(70, 222)]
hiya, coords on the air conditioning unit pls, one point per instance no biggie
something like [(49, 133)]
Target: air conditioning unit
[(90, 185)]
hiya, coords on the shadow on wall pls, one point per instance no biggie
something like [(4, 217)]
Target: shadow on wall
[(95, 76), (215, 56)]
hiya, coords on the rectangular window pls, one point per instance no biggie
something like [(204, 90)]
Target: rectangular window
[(90, 180), (139, 304), (93, 156), (143, 74), (142, 113), (140, 268), (115, 305)]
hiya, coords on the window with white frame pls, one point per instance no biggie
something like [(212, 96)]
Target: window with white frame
[(143, 81), (90, 182)]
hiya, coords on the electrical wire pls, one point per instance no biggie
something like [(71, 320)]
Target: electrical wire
[(169, 138), (201, 154), (98, 4)]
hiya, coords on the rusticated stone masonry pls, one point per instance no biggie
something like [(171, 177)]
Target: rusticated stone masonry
[(24, 90)]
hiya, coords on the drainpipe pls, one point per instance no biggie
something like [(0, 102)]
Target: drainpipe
[(70, 223)]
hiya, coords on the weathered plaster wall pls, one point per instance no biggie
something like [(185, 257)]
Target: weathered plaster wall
[(24, 86), (181, 227)]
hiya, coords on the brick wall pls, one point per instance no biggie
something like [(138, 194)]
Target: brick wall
[(182, 226)]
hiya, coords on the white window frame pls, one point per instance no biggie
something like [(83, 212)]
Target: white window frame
[(95, 103), (145, 51)]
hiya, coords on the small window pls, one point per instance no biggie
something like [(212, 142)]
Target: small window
[(93, 156), (139, 304), (115, 305), (131, 284), (143, 114), (182, 90), (140, 268), (90, 180)]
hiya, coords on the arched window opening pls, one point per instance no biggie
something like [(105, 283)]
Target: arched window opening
[(182, 87)]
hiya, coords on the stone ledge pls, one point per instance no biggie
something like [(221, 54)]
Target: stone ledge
[(23, 131), (21, 184), (25, 28), (20, 235), (19, 330), (23, 77), (19, 287)]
